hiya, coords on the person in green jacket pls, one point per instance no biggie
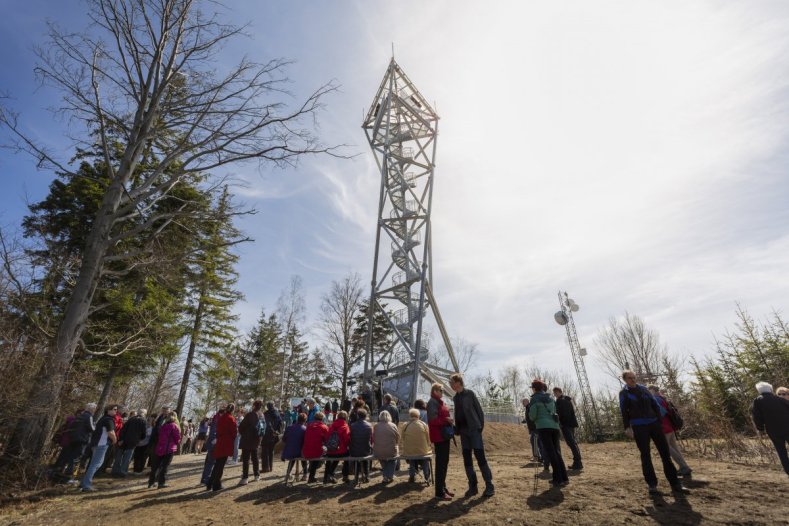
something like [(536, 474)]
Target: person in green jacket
[(542, 411)]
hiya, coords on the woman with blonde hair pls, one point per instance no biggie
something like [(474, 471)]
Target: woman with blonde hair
[(166, 446), (386, 438)]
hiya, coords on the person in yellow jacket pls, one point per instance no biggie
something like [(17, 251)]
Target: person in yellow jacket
[(416, 443)]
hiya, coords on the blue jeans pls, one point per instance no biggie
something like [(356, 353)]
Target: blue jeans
[(122, 459), (388, 468), (95, 463), (235, 447), (425, 468), (208, 466)]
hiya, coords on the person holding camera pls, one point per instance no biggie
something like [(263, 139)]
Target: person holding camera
[(542, 411)]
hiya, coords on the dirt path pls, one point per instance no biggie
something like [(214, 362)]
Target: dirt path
[(610, 490)]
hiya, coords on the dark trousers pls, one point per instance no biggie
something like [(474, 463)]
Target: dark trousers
[(140, 456), (314, 465), (442, 462), (569, 436), (482, 462), (552, 447), (779, 441), (331, 467), (654, 432), (268, 456), (68, 457), (215, 482), (159, 469), (245, 456)]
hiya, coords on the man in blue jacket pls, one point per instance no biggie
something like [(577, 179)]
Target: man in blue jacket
[(641, 418)]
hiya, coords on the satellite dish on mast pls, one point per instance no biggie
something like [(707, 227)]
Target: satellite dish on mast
[(561, 318), (574, 307), (583, 351)]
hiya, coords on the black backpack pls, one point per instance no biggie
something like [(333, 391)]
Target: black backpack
[(674, 417), (333, 444)]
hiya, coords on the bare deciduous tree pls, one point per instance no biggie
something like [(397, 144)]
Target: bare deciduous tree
[(466, 354), (147, 84), (337, 322), (290, 308), (629, 344)]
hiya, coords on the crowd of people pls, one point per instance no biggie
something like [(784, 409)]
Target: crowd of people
[(316, 436)]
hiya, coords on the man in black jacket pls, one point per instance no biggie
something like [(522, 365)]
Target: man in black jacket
[(770, 413), (641, 418), (469, 422), (568, 424), (131, 434)]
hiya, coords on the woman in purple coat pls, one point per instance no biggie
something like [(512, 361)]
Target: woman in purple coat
[(166, 446), (293, 442)]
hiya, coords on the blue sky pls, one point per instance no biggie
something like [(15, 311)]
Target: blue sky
[(633, 153)]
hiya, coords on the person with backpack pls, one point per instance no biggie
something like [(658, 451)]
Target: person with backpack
[(315, 438), (251, 430), (167, 444), (542, 411), (337, 447), (271, 436), (79, 433), (641, 418), (671, 422)]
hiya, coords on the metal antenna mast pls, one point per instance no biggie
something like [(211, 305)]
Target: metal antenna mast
[(402, 129), (565, 317)]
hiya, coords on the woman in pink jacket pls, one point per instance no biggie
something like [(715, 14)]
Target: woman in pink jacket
[(167, 445)]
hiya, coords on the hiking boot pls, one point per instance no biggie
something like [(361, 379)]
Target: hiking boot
[(577, 466), (473, 490), (161, 486), (411, 478), (653, 490), (311, 480), (679, 488), (686, 473), (257, 477), (243, 482), (488, 491), (444, 496)]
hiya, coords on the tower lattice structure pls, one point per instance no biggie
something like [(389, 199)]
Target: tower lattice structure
[(402, 128), (589, 407)]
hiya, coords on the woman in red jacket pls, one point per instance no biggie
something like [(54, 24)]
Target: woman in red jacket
[(337, 446), (226, 431), (314, 441), (438, 419)]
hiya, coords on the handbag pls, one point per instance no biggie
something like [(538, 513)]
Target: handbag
[(447, 432)]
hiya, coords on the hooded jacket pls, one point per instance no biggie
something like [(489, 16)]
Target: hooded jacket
[(314, 439), (133, 432), (638, 406), (169, 438), (82, 428), (566, 411), (226, 431), (340, 426), (541, 411)]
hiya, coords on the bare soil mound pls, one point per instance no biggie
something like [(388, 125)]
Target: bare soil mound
[(610, 490)]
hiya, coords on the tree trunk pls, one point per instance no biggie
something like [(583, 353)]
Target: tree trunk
[(34, 429), (105, 392), (164, 366), (196, 328)]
